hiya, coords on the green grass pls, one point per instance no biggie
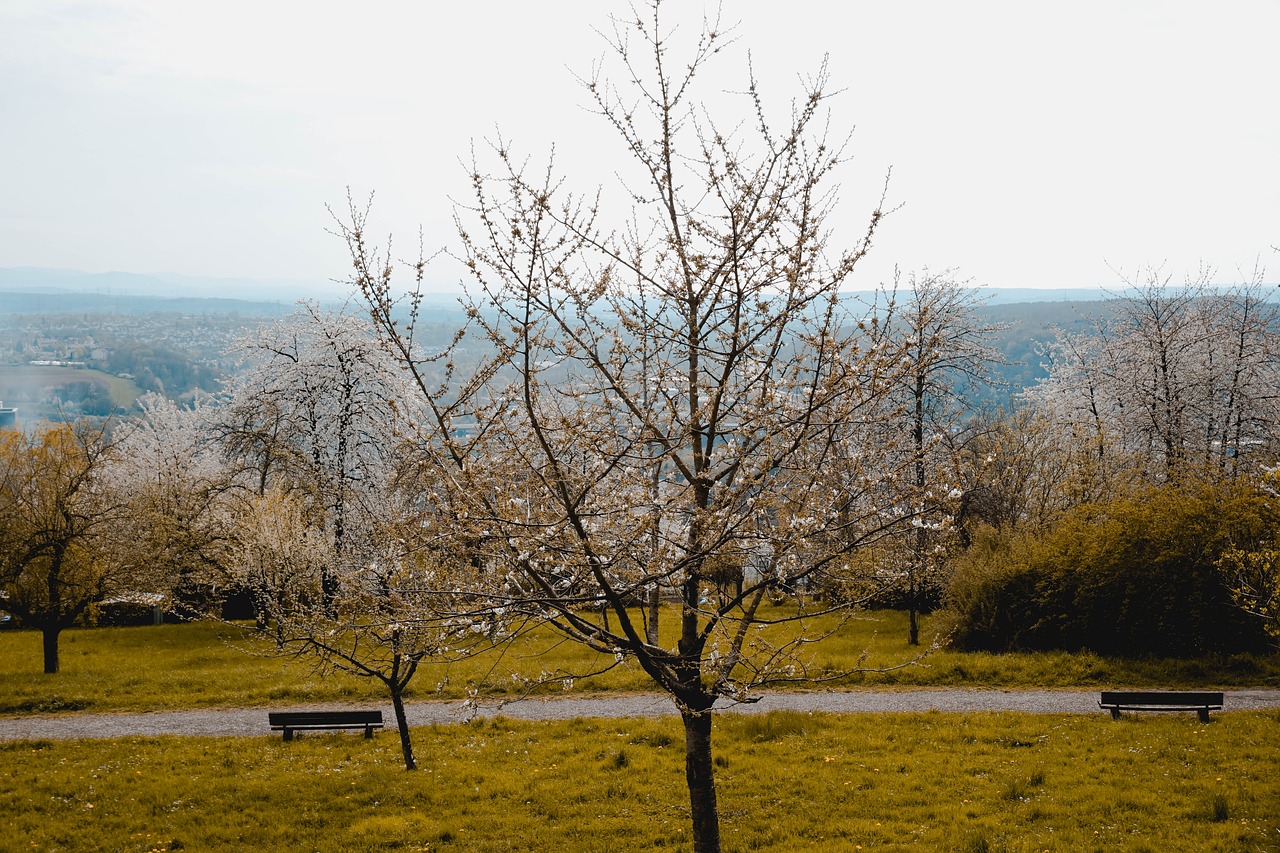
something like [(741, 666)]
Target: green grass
[(212, 665), (787, 781)]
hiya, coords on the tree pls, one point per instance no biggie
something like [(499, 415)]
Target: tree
[(316, 412), (1243, 410), (704, 342), (1017, 471), (1176, 382), (946, 352), (181, 494), (346, 567), (59, 516)]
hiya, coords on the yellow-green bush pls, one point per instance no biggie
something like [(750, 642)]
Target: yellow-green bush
[(1135, 576)]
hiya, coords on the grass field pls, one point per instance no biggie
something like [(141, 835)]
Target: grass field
[(788, 781), (23, 383), (212, 665)]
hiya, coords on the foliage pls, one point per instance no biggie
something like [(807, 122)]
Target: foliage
[(808, 782), (1254, 580), (92, 399), (1132, 576), (60, 550), (163, 369)]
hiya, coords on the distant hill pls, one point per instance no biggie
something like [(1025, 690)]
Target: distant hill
[(1028, 327), (167, 285), (39, 290), (54, 302), (1029, 316), (1012, 295)]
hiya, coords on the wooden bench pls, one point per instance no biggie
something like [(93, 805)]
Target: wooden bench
[(291, 721), (1138, 700)]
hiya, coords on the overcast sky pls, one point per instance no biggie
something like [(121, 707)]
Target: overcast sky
[(1031, 144)]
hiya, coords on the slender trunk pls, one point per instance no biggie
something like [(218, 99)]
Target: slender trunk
[(916, 575), (651, 628), (913, 617), (655, 592), (51, 648), (402, 724), (699, 772)]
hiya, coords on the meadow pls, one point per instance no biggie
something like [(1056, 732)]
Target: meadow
[(210, 665), (788, 781)]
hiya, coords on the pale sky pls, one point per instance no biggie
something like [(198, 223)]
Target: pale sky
[(1032, 144)]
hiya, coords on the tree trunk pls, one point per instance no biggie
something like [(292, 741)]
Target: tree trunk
[(654, 603), (916, 581), (916, 573), (51, 649), (699, 772), (402, 724)]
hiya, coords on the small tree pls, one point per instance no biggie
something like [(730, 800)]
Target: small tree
[(406, 600), (345, 566), (946, 352), (705, 342), (59, 516)]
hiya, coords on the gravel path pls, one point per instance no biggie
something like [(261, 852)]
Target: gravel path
[(253, 721)]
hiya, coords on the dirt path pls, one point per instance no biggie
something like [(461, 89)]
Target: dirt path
[(253, 721)]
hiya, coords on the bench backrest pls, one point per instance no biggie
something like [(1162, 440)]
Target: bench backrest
[(1162, 697), (322, 718)]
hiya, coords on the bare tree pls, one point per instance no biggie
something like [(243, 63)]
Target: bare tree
[(1174, 382), (946, 354), (664, 397), (316, 411), (351, 567)]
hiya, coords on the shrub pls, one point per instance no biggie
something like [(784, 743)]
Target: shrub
[(1136, 576)]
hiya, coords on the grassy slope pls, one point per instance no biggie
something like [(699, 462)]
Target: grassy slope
[(211, 665), (788, 781), (124, 392)]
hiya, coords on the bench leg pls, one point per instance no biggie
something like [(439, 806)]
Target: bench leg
[(368, 732), (1115, 713), (1204, 714), (288, 734)]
